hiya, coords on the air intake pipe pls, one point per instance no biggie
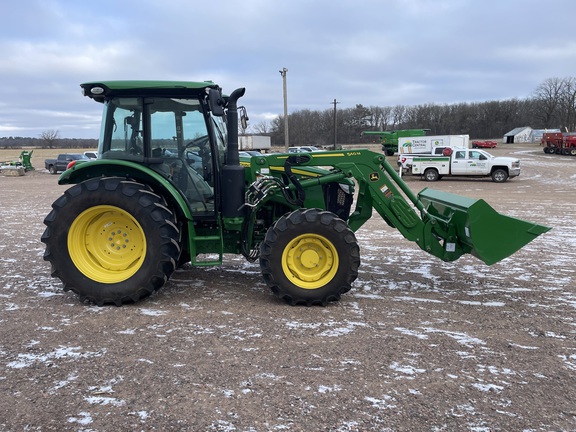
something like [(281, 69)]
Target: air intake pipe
[(233, 177)]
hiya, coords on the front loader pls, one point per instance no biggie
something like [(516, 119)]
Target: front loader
[(170, 188)]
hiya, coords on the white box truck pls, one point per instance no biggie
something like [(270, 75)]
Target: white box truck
[(427, 145), (253, 142)]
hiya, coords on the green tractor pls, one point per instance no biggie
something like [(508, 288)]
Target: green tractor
[(170, 188)]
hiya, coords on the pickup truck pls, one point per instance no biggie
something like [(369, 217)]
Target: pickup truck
[(62, 161), (405, 159), (466, 162)]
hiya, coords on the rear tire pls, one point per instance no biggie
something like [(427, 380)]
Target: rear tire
[(431, 175), (309, 256), (52, 169), (499, 176), (111, 241)]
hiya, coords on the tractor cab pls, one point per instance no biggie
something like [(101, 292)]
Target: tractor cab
[(173, 137), (178, 136)]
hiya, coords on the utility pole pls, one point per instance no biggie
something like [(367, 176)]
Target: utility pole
[(334, 103), (286, 143)]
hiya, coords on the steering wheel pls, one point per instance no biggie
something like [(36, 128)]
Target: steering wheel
[(204, 152), (203, 143)]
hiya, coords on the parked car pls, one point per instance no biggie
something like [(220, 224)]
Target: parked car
[(249, 153), (92, 154), (303, 149)]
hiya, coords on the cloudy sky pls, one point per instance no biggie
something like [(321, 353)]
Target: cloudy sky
[(370, 52)]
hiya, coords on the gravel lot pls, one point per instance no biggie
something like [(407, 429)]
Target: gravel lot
[(417, 345)]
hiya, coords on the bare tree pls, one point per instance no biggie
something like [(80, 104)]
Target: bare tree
[(262, 127), (50, 137), (548, 95), (568, 104), (398, 115)]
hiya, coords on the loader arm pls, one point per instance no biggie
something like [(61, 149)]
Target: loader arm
[(442, 224)]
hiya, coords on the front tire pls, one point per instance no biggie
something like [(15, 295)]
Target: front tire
[(499, 176), (309, 256), (111, 241)]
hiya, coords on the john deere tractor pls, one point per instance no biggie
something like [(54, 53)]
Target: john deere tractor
[(170, 188)]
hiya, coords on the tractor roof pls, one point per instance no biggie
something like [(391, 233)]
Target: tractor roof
[(101, 90)]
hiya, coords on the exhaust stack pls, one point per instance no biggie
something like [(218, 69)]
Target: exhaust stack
[(233, 177)]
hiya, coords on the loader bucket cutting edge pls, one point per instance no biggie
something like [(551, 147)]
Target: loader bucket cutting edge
[(481, 230)]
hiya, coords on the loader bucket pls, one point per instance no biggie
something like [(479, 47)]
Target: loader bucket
[(479, 229)]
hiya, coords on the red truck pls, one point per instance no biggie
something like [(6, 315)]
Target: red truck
[(484, 144)]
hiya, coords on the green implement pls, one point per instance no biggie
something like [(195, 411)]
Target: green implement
[(480, 230), (389, 139)]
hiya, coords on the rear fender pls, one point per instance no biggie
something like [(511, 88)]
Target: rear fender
[(129, 170)]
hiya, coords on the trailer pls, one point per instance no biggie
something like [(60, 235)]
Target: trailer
[(427, 144), (408, 148), (254, 142), (562, 143)]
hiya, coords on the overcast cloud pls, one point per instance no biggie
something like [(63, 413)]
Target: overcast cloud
[(370, 52)]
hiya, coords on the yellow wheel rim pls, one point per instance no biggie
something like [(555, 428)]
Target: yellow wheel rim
[(310, 261), (106, 244)]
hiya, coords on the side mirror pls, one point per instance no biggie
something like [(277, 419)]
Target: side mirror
[(216, 102), (243, 118)]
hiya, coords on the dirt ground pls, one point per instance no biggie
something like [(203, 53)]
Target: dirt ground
[(417, 345)]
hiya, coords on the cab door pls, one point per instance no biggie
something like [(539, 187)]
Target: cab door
[(476, 163), (459, 162)]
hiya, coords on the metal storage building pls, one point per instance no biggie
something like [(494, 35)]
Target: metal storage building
[(518, 135)]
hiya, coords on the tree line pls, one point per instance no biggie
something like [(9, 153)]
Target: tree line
[(48, 139), (552, 105)]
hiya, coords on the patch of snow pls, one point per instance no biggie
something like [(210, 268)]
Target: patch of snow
[(460, 337), (328, 389), (406, 369), (152, 312), (84, 418), (416, 299), (385, 403), (105, 401), (27, 360), (411, 333), (488, 387)]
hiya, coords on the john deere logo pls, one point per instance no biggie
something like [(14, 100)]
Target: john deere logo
[(374, 176)]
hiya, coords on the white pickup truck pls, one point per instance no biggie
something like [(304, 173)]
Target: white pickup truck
[(466, 162)]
